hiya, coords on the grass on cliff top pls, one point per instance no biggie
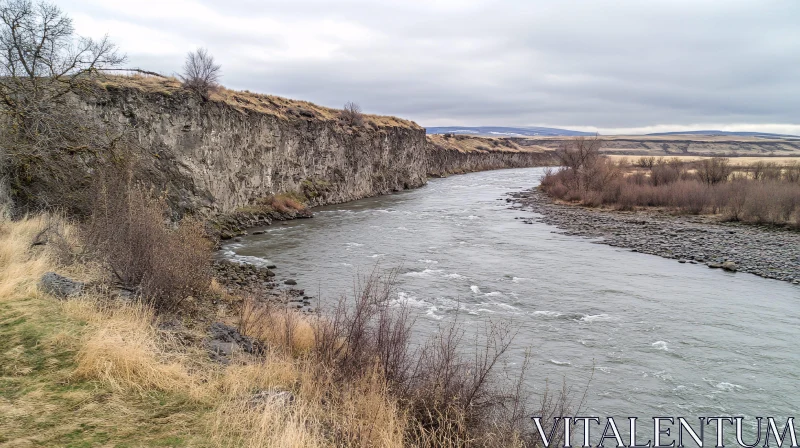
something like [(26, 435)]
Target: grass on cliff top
[(466, 143), (251, 101)]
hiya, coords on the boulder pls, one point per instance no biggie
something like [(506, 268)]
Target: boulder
[(60, 286), (730, 266), (224, 340)]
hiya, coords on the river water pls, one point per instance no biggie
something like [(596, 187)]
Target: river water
[(656, 336)]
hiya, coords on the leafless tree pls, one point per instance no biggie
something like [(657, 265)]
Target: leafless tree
[(200, 72), (351, 114), (714, 170), (579, 156), (646, 162), (42, 63)]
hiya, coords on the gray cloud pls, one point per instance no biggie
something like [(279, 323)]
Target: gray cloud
[(589, 63)]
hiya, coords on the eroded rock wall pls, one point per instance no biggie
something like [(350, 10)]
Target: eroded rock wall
[(228, 156)]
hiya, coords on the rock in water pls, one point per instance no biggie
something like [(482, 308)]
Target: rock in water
[(60, 286)]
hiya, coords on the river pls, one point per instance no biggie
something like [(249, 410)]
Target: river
[(658, 337)]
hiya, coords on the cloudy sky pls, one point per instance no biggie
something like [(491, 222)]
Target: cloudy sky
[(621, 66)]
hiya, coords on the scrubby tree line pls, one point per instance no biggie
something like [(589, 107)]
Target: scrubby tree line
[(760, 193)]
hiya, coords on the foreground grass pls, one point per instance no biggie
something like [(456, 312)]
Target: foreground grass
[(93, 372), (42, 400)]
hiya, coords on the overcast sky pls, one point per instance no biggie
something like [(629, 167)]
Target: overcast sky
[(622, 66)]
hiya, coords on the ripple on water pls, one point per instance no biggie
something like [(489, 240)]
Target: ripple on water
[(660, 345), (596, 317), (559, 363), (423, 274)]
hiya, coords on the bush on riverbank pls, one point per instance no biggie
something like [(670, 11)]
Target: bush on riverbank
[(709, 186), (164, 264)]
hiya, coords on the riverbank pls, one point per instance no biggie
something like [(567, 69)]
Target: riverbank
[(767, 252)]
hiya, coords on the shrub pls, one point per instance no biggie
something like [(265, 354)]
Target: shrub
[(163, 264), (664, 173), (646, 162), (689, 196), (200, 72), (714, 170), (774, 198), (450, 394), (792, 172), (351, 114)]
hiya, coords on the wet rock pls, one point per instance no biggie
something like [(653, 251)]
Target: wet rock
[(290, 282), (60, 286)]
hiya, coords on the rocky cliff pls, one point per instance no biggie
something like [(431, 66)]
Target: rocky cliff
[(233, 148), (456, 154), (227, 151)]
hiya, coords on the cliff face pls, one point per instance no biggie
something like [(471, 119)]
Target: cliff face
[(234, 148), (223, 153), (460, 154)]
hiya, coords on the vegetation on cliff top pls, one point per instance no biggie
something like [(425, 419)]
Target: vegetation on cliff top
[(250, 101), (466, 143)]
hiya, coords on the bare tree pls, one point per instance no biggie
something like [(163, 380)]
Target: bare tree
[(351, 114), (42, 65), (579, 157), (646, 162), (714, 170), (200, 72), (41, 61)]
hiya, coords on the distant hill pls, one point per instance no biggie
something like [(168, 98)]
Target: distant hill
[(497, 131), (736, 134)]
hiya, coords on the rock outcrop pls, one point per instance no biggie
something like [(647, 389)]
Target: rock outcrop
[(220, 154), (236, 147), (459, 154)]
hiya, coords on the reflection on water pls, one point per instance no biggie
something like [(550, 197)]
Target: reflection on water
[(662, 338)]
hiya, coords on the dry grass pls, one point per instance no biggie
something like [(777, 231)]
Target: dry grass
[(249, 101), (42, 402)]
